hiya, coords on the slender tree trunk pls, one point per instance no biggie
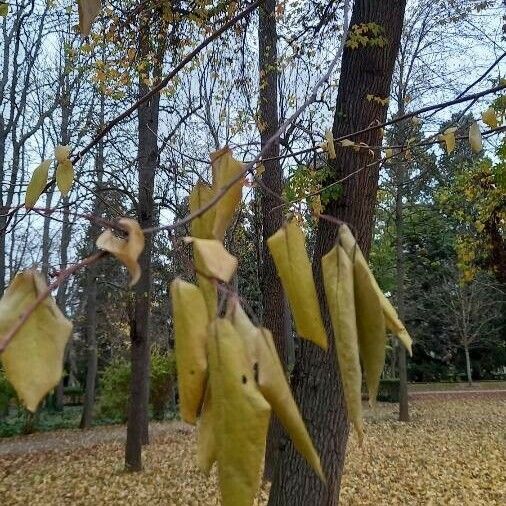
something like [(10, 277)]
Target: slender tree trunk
[(316, 381), (91, 294), (272, 291), (138, 416), (399, 268), (468, 366)]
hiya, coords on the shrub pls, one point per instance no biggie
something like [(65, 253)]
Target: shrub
[(7, 394), (115, 384), (389, 390)]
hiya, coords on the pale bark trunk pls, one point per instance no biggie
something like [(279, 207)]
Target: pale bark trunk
[(468, 366), (316, 381)]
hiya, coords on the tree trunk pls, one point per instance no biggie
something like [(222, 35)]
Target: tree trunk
[(468, 366), (91, 292), (272, 291), (138, 416), (316, 381), (399, 273)]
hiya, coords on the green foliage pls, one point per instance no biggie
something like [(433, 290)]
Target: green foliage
[(389, 390), (366, 34), (115, 384), (7, 393)]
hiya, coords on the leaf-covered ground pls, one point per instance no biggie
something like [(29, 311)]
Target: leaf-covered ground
[(452, 452)]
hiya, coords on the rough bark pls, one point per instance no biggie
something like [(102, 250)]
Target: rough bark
[(137, 428), (272, 219), (316, 382)]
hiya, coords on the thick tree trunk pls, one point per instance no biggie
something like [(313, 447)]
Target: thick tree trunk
[(138, 416), (272, 291), (468, 366), (316, 381)]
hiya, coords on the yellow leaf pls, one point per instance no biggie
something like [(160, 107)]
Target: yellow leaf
[(206, 437), (33, 360), (190, 318), (372, 339), (260, 169), (389, 153), (331, 149), (88, 11), (217, 262), (339, 290), (448, 137), (37, 184), (202, 228), (127, 251), (61, 153), (4, 9), (475, 138), (272, 383), (489, 117), (288, 249), (241, 416), (392, 321), (347, 143), (225, 168), (64, 176)]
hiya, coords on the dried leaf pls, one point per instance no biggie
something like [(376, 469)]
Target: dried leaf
[(33, 360), (347, 143), (217, 262), (288, 249), (88, 11), (448, 137), (206, 438), (392, 321), (339, 290), (202, 228), (127, 251), (241, 416), (489, 117), (4, 9), (372, 339), (37, 184), (64, 176), (331, 149), (475, 138), (225, 168), (62, 153), (190, 318), (272, 383)]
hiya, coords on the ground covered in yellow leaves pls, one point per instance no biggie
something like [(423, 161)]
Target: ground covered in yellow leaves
[(452, 452)]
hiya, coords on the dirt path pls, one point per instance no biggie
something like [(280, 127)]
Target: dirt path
[(458, 394), (69, 439)]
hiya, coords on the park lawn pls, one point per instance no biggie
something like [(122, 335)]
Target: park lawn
[(452, 452)]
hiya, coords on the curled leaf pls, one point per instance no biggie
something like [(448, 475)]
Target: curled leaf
[(217, 262), (37, 184), (448, 137), (475, 138), (33, 360), (272, 383), (241, 416), (489, 117), (225, 169), (128, 250), (331, 149), (61, 153), (64, 176), (288, 249), (190, 317), (337, 271), (88, 11)]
